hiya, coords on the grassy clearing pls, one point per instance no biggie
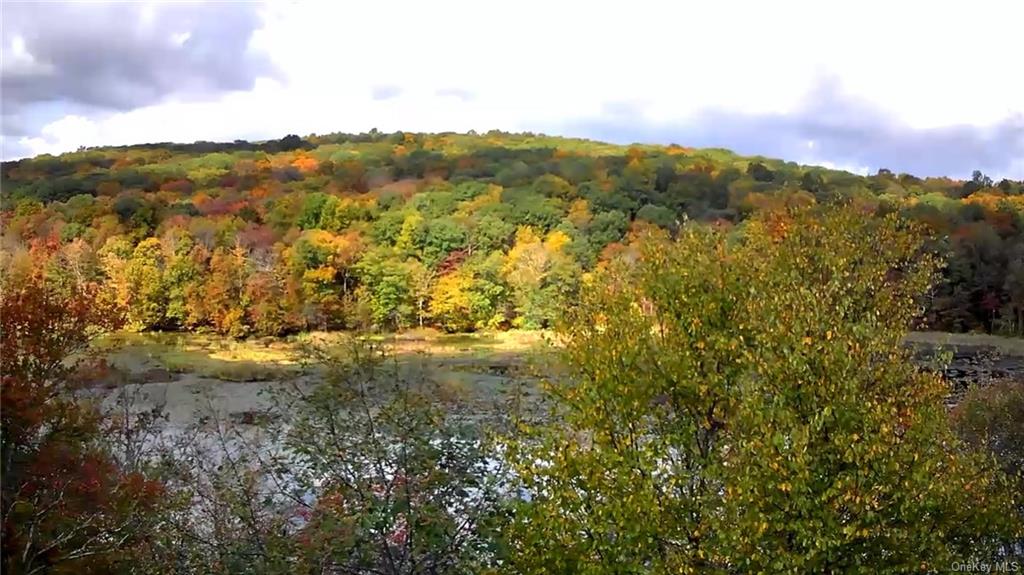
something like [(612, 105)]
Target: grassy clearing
[(203, 355), (267, 359), (491, 353)]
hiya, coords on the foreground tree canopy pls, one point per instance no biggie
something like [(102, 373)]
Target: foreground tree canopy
[(730, 401), (745, 405), (458, 231)]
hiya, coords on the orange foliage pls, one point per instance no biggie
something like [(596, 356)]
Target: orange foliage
[(306, 164), (777, 224), (993, 200), (610, 253), (199, 199)]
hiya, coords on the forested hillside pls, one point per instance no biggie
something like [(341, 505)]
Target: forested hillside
[(458, 231)]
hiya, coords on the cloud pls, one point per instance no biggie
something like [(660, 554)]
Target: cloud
[(63, 134), (827, 127), (736, 73), (385, 92), (124, 55), (458, 93)]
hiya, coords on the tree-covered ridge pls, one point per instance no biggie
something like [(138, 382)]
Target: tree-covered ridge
[(461, 231)]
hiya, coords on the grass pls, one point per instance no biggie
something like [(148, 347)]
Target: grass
[(265, 359), (203, 355), (218, 367), (480, 368), (432, 342)]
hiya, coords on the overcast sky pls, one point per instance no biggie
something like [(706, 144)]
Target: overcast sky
[(928, 87)]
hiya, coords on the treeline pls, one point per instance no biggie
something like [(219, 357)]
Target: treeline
[(459, 231)]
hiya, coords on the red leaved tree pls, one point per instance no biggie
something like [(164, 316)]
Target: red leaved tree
[(66, 506)]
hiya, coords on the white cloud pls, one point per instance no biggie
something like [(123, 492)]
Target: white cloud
[(540, 65), (62, 135), (180, 38), (862, 170)]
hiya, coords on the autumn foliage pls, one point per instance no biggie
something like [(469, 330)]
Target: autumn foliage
[(67, 506), (354, 231), (746, 405)]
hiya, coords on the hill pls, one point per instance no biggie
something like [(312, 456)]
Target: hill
[(459, 231)]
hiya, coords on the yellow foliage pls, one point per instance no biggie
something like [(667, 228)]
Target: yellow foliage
[(993, 201), (451, 302), (407, 236), (526, 235), (324, 274), (579, 213), (528, 259), (555, 240), (493, 196)]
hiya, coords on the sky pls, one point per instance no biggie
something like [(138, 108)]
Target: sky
[(926, 87)]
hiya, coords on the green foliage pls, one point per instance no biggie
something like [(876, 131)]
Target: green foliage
[(148, 305), (607, 227), (72, 231), (386, 288), (181, 274), (469, 299), (435, 202), (732, 399), (313, 209), (443, 236), (28, 207), (541, 277), (657, 215), (469, 190), (529, 208), (491, 233), (553, 186), (442, 198), (744, 404), (388, 226)]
